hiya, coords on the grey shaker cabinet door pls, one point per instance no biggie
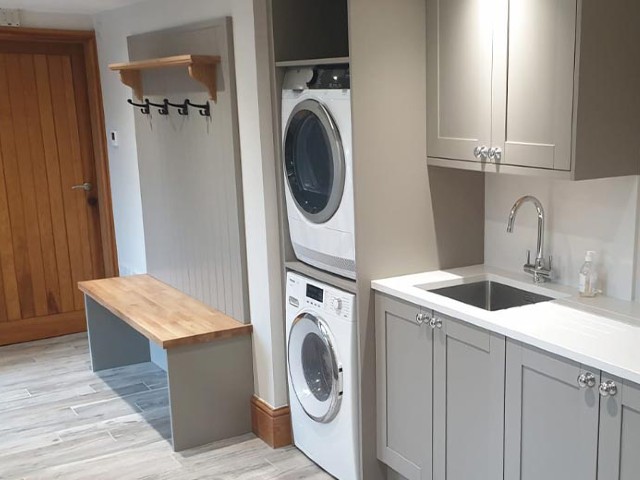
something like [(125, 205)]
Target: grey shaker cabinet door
[(534, 125), (459, 76), (551, 424), (468, 410), (619, 458), (404, 363)]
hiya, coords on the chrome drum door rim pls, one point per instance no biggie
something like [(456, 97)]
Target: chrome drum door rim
[(337, 157), (321, 412)]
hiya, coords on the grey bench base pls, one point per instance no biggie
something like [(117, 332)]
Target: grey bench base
[(210, 384)]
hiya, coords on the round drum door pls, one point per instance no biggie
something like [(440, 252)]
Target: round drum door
[(314, 369), (314, 161)]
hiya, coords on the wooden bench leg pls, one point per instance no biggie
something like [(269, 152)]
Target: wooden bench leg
[(210, 386), (112, 342)]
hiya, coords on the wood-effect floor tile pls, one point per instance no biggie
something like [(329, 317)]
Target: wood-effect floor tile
[(59, 420)]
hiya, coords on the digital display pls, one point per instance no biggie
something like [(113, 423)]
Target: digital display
[(315, 293)]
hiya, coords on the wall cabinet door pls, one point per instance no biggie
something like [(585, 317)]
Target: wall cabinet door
[(618, 457), (551, 423), (537, 64), (468, 402), (404, 369), (459, 69)]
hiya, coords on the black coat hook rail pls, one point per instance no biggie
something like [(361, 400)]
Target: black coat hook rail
[(204, 109)]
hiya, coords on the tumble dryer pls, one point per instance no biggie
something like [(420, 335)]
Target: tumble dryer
[(318, 167)]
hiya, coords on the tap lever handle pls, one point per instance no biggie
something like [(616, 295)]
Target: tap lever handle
[(528, 257)]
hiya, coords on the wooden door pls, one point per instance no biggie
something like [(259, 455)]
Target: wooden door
[(50, 235), (618, 457), (468, 402), (404, 372), (459, 82), (551, 423), (534, 68)]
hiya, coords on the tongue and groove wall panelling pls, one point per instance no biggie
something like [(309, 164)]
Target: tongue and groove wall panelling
[(190, 172)]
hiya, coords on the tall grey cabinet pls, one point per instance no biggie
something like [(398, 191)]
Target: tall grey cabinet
[(404, 361), (551, 418), (468, 401)]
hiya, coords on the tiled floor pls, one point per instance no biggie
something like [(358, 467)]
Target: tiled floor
[(60, 420)]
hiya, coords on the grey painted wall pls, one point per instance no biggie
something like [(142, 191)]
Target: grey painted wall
[(190, 173)]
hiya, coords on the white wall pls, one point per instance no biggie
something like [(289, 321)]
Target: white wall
[(261, 221), (599, 215), (55, 20)]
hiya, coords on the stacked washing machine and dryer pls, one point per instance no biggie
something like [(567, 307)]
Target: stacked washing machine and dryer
[(321, 321)]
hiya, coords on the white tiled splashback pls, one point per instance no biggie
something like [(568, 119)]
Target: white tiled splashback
[(601, 215)]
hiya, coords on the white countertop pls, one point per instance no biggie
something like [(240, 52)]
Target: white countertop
[(601, 332)]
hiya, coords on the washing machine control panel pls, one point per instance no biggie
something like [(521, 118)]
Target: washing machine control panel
[(329, 300)]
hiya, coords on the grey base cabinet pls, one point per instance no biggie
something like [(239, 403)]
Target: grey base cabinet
[(456, 402), (551, 423), (440, 395), (619, 453), (404, 365), (468, 402)]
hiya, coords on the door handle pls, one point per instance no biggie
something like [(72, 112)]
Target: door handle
[(86, 186)]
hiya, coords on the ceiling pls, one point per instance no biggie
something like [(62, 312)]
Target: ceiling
[(87, 7)]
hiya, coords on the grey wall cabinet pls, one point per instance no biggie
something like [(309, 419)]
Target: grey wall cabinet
[(618, 457), (533, 86), (404, 361), (551, 422), (468, 402)]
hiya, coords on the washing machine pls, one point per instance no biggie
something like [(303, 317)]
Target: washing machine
[(318, 167), (322, 375)]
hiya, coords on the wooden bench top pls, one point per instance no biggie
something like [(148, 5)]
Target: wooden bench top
[(163, 314)]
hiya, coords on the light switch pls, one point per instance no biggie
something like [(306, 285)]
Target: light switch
[(113, 138)]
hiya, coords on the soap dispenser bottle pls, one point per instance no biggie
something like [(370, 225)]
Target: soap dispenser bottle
[(588, 280)]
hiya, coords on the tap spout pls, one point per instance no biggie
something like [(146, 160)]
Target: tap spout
[(540, 211)]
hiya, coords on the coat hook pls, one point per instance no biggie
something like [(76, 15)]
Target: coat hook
[(144, 107), (163, 108), (204, 109), (183, 108)]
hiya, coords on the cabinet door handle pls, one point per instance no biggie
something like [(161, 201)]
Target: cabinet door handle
[(435, 322), (481, 152), (421, 318), (495, 154), (586, 380), (608, 389)]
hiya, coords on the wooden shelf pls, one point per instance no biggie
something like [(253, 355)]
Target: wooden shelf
[(201, 68)]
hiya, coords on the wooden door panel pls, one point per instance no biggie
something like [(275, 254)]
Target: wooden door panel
[(50, 237), (13, 198), (54, 181)]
